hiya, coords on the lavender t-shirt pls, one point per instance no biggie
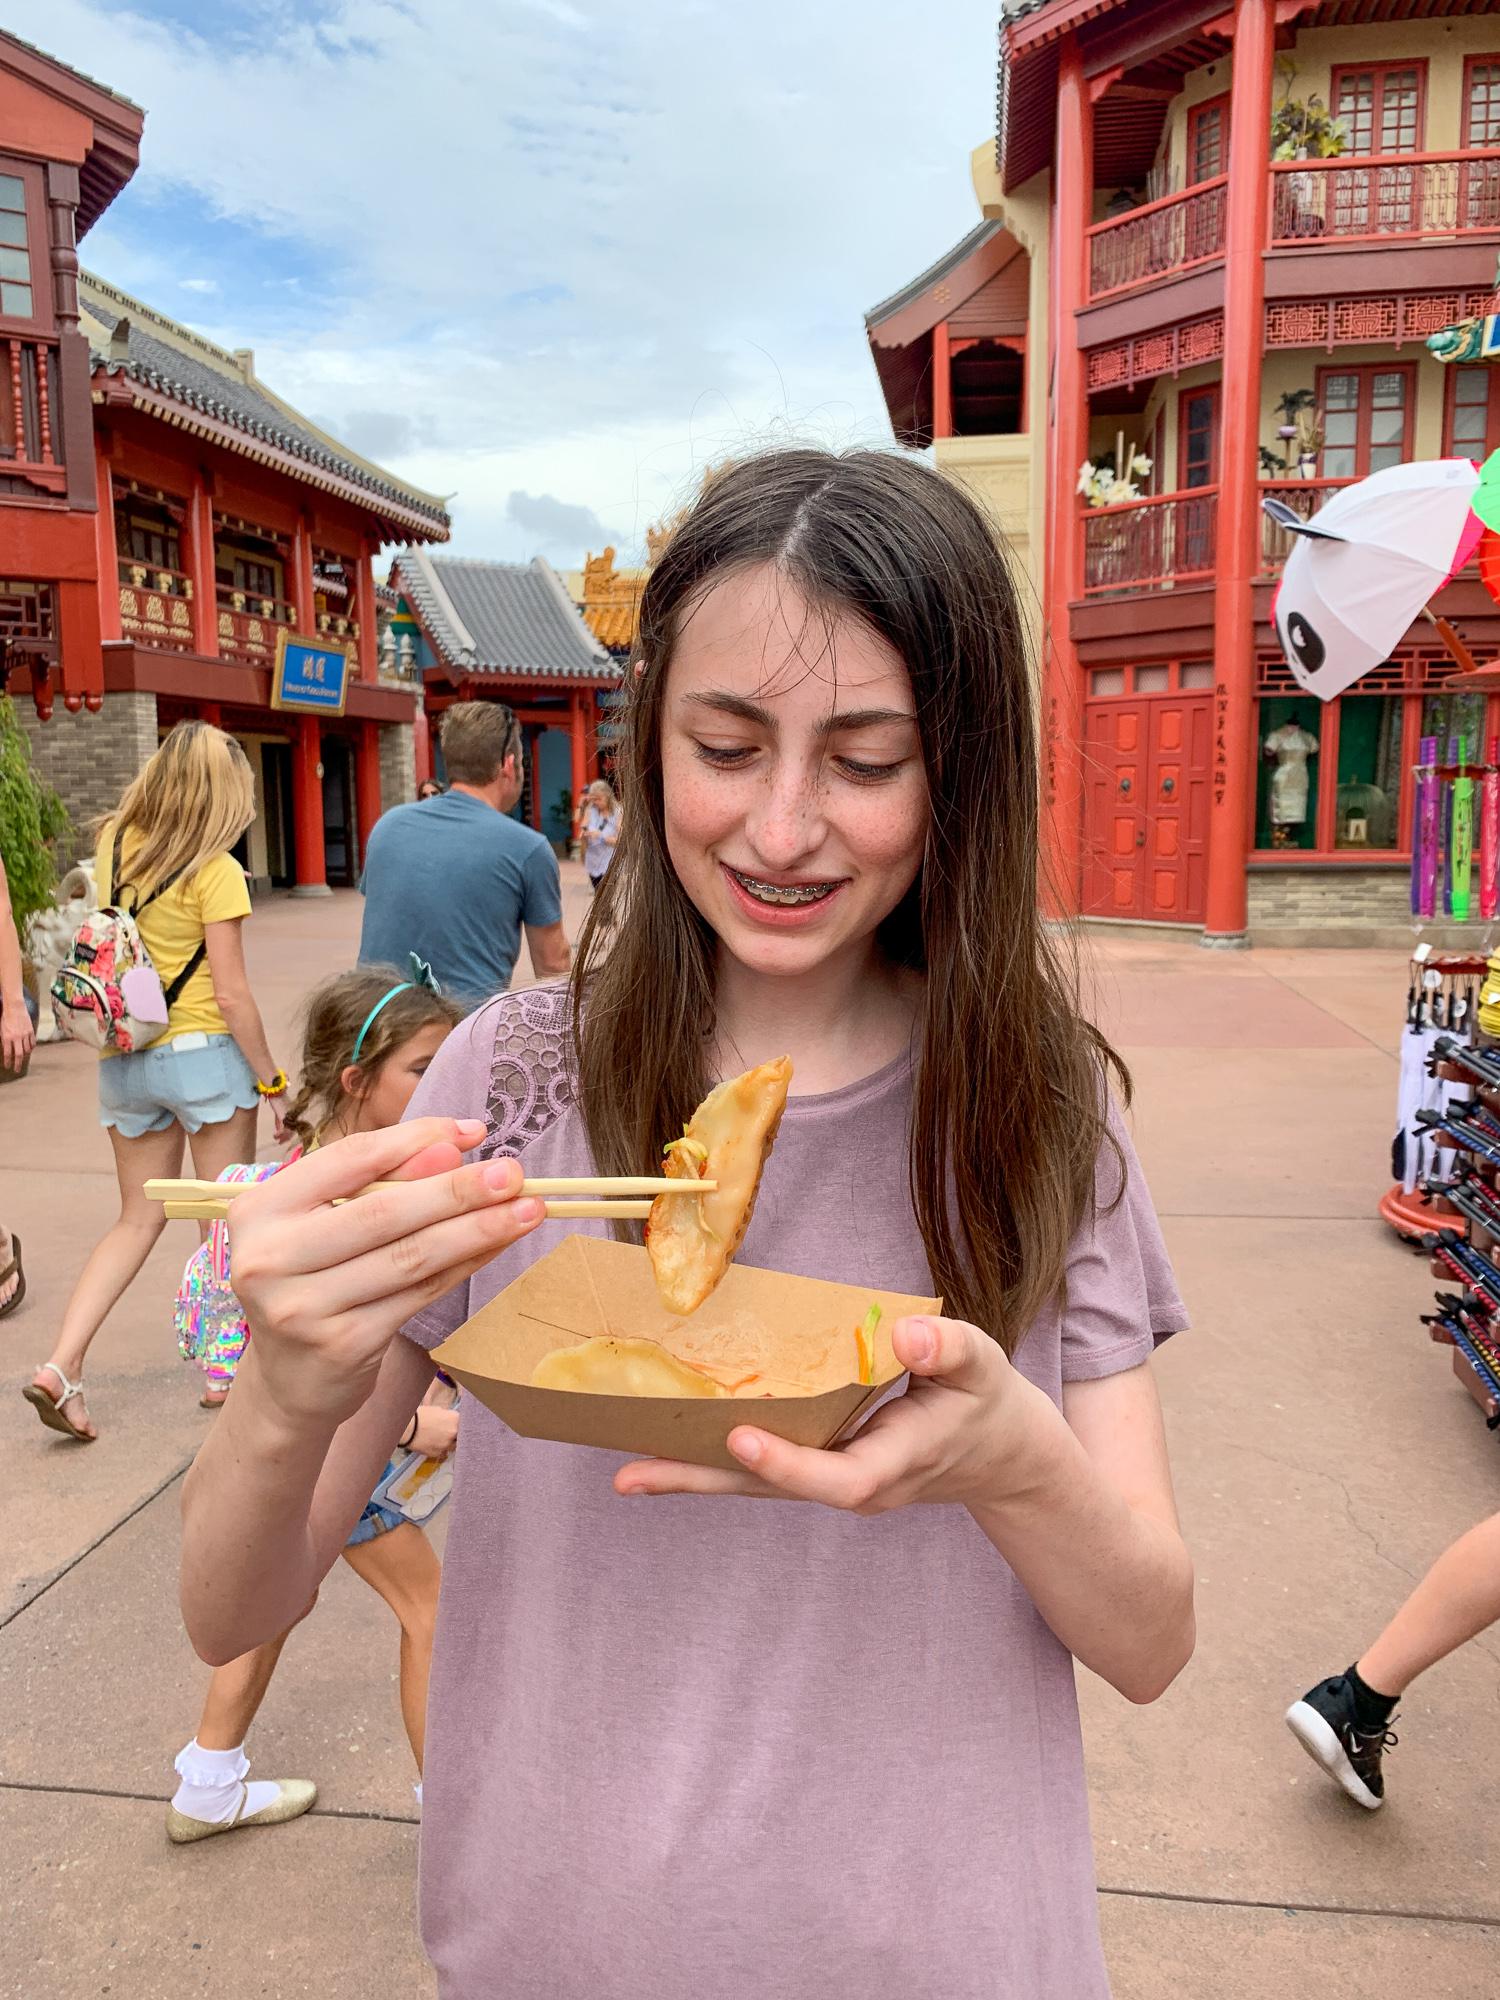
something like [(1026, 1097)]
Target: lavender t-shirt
[(685, 1748)]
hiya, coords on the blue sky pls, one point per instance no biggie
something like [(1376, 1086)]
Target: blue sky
[(551, 257)]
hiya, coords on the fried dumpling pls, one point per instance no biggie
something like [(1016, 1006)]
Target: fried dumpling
[(728, 1140), (621, 1368)]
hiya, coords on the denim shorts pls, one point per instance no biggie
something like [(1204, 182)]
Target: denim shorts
[(197, 1080)]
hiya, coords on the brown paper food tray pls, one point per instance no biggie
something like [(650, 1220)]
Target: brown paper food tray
[(591, 1287)]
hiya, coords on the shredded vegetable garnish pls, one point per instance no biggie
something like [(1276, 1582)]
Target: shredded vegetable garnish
[(864, 1340)]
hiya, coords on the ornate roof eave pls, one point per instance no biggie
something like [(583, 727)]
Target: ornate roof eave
[(124, 387), (609, 674)]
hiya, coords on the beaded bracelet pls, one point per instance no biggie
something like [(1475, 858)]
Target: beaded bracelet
[(272, 1089)]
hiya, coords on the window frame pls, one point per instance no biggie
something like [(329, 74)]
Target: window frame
[(1491, 418), (1184, 396), (1471, 63), (1191, 176), (1367, 371), (1380, 70), (41, 322)]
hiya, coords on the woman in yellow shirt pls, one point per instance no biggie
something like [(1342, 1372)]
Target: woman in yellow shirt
[(204, 1079)]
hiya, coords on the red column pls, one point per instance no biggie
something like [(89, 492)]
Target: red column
[(105, 548), (421, 744), (534, 778), (579, 745), (307, 806), (367, 783), (200, 566), (1073, 197), (1237, 561), (210, 711), (79, 653), (306, 622), (942, 382), (364, 611)]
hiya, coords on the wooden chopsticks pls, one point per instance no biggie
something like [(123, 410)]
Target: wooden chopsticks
[(627, 1197)]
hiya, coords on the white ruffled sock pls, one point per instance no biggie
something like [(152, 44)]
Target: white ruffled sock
[(211, 1783)]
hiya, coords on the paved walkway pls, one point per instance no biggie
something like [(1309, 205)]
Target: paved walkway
[(1323, 1451)]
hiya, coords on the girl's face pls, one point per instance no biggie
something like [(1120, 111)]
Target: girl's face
[(382, 1099), (795, 799)]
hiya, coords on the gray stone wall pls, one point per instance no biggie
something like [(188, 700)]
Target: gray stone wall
[(90, 759), (1334, 906), (398, 771)]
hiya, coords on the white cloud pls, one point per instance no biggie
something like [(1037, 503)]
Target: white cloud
[(546, 248)]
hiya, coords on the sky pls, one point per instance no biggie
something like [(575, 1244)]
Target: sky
[(548, 258)]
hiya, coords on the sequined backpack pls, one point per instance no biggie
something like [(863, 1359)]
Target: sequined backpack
[(210, 1321)]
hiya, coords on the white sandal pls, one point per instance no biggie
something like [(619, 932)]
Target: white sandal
[(50, 1409)]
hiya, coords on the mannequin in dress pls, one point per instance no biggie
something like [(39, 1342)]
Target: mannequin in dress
[(1291, 745)]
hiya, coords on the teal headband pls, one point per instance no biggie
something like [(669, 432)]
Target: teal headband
[(421, 975)]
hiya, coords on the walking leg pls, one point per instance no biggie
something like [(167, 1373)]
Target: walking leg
[(403, 1566), (1456, 1600), (114, 1260)]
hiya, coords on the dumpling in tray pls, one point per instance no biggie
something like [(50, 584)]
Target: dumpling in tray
[(728, 1140)]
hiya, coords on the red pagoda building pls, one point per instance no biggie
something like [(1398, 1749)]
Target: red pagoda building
[(168, 523)]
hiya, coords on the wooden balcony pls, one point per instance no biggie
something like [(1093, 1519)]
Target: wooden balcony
[(1369, 198), (154, 607), (247, 626), (1304, 497), (30, 417), (1159, 240), (1150, 544)]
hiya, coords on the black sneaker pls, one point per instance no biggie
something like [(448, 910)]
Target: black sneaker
[(1324, 1723)]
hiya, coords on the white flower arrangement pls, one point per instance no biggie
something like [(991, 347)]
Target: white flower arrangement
[(1106, 485)]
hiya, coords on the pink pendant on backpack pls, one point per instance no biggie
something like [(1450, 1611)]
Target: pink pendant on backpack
[(140, 989)]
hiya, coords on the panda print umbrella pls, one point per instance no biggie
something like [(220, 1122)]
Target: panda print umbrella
[(1363, 567)]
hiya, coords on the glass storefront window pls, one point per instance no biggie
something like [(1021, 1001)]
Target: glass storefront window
[(1452, 718), (1286, 791), (1369, 798)]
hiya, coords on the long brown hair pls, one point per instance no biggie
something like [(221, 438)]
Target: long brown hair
[(189, 803), (1010, 1095)]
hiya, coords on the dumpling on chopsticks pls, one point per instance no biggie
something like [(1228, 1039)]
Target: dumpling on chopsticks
[(728, 1139)]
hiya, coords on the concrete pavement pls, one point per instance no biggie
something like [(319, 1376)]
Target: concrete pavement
[(1323, 1455)]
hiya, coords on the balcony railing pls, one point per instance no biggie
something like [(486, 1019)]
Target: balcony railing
[(1369, 198), (1157, 241), (30, 415), (1304, 497), (154, 606), (1150, 544), (247, 625)]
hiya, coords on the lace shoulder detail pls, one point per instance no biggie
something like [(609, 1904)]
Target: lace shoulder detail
[(531, 1077)]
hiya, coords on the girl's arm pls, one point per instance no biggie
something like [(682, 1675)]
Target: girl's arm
[(16, 1032), (325, 1387), (1078, 1501), (226, 964)]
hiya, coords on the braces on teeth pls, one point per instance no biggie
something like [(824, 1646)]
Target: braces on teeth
[(772, 892)]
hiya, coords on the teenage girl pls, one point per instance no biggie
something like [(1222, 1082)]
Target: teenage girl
[(369, 1038), (164, 852), (808, 1727)]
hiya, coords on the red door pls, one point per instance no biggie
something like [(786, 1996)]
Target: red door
[(1177, 809), (1146, 769), (1114, 748)]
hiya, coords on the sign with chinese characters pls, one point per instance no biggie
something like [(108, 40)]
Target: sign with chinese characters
[(309, 675)]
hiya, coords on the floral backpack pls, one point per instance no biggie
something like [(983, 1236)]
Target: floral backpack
[(107, 993), (211, 1327)]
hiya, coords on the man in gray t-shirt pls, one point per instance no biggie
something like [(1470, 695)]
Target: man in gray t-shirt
[(454, 878)]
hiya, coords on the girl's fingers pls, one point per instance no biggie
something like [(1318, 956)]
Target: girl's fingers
[(343, 1168), (301, 1240), (949, 1350), (317, 1263), (650, 1476)]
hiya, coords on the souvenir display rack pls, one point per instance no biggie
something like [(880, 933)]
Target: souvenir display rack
[(1464, 1203)]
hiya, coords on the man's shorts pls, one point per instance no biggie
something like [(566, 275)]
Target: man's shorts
[(197, 1080)]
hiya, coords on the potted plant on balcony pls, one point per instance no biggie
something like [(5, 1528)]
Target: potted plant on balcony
[(1303, 129)]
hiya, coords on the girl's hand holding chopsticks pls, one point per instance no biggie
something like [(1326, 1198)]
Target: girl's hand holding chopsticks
[(326, 1281)]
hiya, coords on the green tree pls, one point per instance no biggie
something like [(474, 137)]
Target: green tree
[(31, 815)]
